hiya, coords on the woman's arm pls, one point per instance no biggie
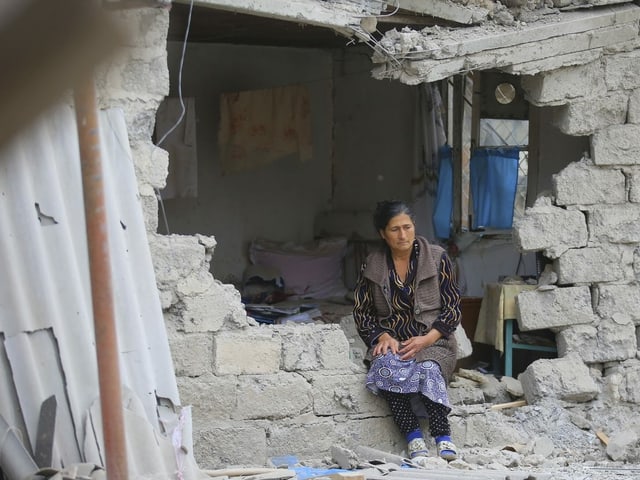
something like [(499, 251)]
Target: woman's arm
[(364, 313), (450, 314)]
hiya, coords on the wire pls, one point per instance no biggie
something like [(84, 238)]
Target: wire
[(182, 110), (182, 107)]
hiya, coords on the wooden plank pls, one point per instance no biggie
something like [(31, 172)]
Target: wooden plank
[(602, 437), (502, 406)]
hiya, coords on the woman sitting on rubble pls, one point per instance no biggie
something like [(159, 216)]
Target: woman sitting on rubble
[(407, 307)]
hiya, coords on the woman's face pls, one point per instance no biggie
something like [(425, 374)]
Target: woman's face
[(399, 233)]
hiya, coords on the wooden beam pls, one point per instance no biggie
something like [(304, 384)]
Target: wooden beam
[(502, 406)]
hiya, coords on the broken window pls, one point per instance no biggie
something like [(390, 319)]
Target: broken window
[(488, 130)]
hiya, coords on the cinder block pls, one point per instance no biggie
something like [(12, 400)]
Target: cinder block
[(615, 224), (583, 117), (248, 351), (615, 299), (192, 353), (273, 396), (210, 396), (616, 145), (558, 86), (225, 446), (314, 347), (565, 378), (606, 185), (605, 263), (557, 307), (608, 341), (622, 70), (550, 228), (335, 394)]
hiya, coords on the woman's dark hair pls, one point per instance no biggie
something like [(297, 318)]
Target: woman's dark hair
[(386, 210)]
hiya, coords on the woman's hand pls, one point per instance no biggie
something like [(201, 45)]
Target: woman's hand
[(413, 345), (385, 343)]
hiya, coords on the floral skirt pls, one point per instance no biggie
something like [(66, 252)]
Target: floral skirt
[(389, 372)]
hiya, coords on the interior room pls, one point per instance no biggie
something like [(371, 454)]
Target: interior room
[(292, 217)]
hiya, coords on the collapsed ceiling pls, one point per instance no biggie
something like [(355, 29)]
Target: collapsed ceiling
[(289, 24)]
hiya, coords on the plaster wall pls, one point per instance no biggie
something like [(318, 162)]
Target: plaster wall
[(276, 201)]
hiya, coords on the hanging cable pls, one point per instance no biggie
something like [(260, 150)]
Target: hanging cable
[(182, 111)]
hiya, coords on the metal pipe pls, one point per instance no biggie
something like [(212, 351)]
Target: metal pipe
[(101, 289)]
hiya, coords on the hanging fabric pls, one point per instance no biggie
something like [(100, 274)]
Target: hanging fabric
[(443, 208), (494, 179), (431, 136)]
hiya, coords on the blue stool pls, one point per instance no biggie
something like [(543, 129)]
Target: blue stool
[(510, 346)]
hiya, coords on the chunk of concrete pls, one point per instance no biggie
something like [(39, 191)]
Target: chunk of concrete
[(614, 299), (550, 228), (586, 116), (617, 145), (565, 379), (556, 87), (557, 307), (603, 263), (615, 224), (608, 341), (605, 185), (624, 446), (622, 71)]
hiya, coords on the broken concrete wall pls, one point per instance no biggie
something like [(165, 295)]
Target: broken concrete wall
[(588, 226), (261, 391)]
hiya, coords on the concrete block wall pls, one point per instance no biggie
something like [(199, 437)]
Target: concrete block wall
[(589, 227), (259, 391)]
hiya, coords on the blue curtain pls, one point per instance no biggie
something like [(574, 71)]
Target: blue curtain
[(443, 208), (494, 178)]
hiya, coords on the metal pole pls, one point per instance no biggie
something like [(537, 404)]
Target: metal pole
[(101, 288)]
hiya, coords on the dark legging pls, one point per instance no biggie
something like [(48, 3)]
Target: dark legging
[(406, 419)]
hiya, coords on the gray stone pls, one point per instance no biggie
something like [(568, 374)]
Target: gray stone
[(622, 71), (559, 307), (192, 353), (634, 107), (248, 351), (605, 185), (543, 446), (630, 384), (633, 180), (605, 342), (212, 446), (582, 117), (616, 145), (549, 228), (211, 397), (557, 86), (615, 224), (513, 386), (312, 438), (335, 394), (623, 446), (615, 299), (603, 263), (314, 347), (562, 378), (290, 392)]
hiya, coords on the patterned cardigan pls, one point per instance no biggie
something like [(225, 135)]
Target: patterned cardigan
[(436, 303)]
